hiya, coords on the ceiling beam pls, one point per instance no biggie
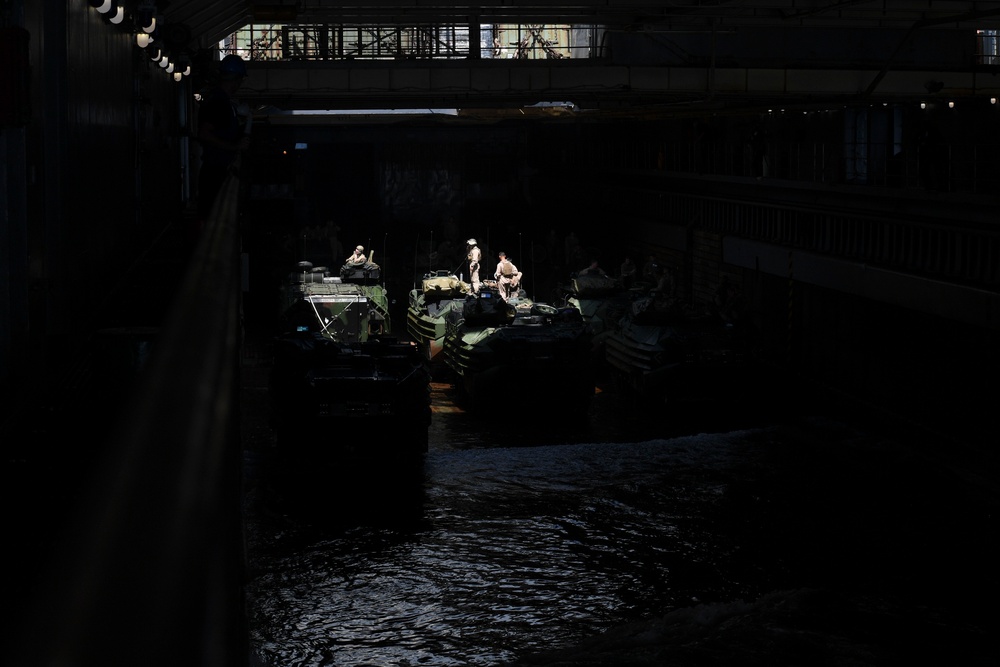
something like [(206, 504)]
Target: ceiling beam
[(499, 84)]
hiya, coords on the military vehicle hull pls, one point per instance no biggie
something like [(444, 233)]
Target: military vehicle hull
[(602, 302), (343, 387), (349, 402), (352, 307), (506, 354), (427, 309), (676, 353)]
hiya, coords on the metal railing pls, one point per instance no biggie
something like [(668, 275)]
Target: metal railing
[(321, 42), (930, 245)]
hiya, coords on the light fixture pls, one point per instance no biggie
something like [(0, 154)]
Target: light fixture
[(178, 76), (951, 105), (142, 39), (923, 105), (155, 54), (148, 23), (119, 15), (187, 72), (102, 6), (993, 100), (164, 62), (170, 68)]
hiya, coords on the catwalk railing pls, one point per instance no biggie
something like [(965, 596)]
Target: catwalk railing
[(929, 236)]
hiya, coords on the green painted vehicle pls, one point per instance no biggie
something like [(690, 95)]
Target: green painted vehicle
[(521, 351), (427, 308), (348, 308), (343, 387)]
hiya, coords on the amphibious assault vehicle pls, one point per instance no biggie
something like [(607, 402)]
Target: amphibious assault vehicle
[(505, 354), (427, 308), (342, 386)]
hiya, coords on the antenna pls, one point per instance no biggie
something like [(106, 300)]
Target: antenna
[(416, 247), (430, 252), (532, 246), (520, 249), (385, 239)]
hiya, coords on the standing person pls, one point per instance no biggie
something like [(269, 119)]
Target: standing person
[(507, 276), (220, 133), (474, 255), (357, 258), (628, 271)]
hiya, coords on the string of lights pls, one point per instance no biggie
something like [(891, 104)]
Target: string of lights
[(143, 20)]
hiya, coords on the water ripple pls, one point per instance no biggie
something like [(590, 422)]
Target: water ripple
[(516, 548)]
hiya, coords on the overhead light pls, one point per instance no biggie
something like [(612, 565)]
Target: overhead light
[(951, 105), (103, 6), (164, 62), (923, 105), (187, 71), (119, 15), (178, 76), (170, 68), (148, 23), (142, 39), (993, 100)]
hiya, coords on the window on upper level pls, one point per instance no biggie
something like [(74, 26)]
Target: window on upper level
[(349, 42), (988, 47)]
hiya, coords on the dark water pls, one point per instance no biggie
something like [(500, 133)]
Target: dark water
[(524, 535)]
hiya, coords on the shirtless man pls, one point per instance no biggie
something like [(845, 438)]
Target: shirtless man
[(357, 258)]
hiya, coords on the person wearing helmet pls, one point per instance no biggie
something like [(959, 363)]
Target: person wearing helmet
[(474, 255), (357, 258), (220, 133)]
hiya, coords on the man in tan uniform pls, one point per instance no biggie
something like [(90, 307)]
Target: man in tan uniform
[(507, 276), (474, 255)]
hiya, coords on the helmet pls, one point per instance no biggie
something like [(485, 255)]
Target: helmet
[(233, 64), (360, 248), (471, 242)]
